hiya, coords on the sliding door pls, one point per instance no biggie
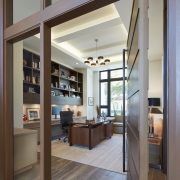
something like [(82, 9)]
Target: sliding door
[(137, 65)]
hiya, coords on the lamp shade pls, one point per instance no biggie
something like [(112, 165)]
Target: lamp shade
[(154, 101)]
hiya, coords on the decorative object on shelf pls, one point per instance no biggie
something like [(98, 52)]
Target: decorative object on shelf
[(35, 64), (24, 62), (53, 93), (37, 80), (64, 82), (33, 113), (24, 117), (62, 74), (65, 87), (73, 78), (98, 111), (32, 64), (34, 80), (98, 60), (72, 89), (61, 85), (61, 94), (79, 113), (55, 72), (90, 101), (31, 90), (28, 78)]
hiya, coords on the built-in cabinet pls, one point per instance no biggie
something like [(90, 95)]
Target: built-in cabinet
[(66, 84)]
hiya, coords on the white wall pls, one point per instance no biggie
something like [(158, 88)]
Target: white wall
[(156, 79), (24, 8), (88, 91), (18, 84), (90, 84), (96, 91)]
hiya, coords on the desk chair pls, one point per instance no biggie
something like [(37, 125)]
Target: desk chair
[(66, 119)]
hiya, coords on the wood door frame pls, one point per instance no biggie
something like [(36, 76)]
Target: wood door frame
[(1, 92), (42, 22), (173, 89), (31, 25)]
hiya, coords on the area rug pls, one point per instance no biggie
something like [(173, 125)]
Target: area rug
[(106, 155)]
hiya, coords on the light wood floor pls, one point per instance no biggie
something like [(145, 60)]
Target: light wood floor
[(106, 155), (69, 170), (63, 169), (156, 175)]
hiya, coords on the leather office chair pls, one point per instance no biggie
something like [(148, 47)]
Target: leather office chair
[(66, 119)]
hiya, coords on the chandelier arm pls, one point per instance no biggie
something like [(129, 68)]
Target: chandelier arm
[(98, 60)]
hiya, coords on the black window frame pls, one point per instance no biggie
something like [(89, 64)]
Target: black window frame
[(108, 80)]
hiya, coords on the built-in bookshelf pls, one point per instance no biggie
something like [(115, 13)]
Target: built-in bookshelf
[(66, 84)]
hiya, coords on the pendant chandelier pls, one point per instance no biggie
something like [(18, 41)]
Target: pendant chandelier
[(98, 60)]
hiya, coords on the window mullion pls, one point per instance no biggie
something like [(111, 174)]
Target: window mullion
[(109, 94)]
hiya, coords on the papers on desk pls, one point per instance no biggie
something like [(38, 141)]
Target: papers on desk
[(80, 125)]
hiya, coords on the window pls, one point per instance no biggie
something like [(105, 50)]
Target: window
[(104, 75), (111, 92), (104, 95)]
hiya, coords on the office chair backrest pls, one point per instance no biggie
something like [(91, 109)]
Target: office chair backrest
[(66, 118)]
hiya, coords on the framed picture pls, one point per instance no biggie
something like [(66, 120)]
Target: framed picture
[(33, 113), (90, 101)]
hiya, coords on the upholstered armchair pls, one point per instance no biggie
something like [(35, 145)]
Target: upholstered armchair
[(118, 124)]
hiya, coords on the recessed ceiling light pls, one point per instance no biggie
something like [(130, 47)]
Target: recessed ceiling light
[(77, 63)]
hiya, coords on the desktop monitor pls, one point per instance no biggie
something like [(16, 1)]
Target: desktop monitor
[(56, 110)]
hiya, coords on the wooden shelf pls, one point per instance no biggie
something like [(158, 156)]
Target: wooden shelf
[(31, 98), (60, 89), (26, 82), (59, 77), (54, 75), (68, 79), (36, 69), (27, 67), (31, 68), (34, 98)]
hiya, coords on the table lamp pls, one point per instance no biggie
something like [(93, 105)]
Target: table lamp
[(153, 103)]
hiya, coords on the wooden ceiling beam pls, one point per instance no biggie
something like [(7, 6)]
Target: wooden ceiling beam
[(53, 15), (23, 28)]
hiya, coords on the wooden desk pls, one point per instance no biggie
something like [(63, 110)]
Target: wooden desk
[(56, 130), (89, 134)]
